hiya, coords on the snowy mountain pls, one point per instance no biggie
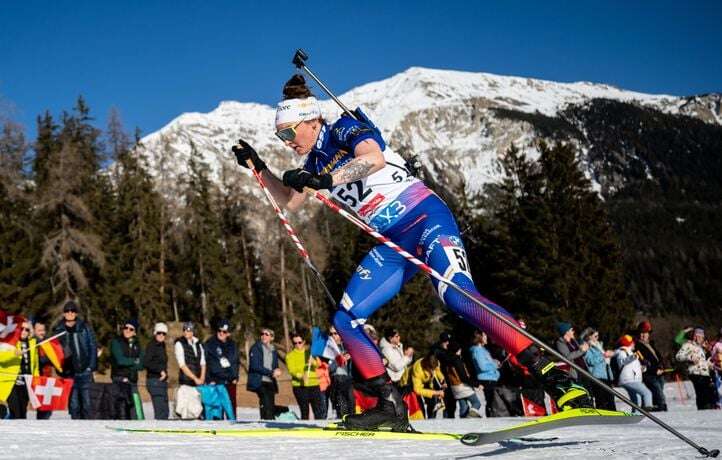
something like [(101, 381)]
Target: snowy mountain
[(451, 120)]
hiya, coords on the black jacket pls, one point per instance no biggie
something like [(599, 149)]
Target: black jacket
[(650, 357), (219, 370), (155, 359), (79, 347)]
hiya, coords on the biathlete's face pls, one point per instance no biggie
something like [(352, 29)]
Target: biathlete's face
[(300, 136)]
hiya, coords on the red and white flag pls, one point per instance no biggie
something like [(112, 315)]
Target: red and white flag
[(48, 393), (10, 328)]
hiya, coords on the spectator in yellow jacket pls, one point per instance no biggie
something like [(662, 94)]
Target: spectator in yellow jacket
[(428, 383), (302, 367), (21, 361)]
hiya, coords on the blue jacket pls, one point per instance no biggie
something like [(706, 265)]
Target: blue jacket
[(80, 348), (215, 351), (597, 365), (256, 371), (486, 368)]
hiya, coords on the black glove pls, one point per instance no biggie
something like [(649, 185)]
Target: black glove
[(300, 178), (245, 152)]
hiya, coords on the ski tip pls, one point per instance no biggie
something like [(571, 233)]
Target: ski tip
[(470, 439)]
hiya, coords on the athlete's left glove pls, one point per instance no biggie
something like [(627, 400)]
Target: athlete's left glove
[(300, 178)]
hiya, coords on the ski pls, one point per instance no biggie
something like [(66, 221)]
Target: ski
[(568, 418), (329, 432)]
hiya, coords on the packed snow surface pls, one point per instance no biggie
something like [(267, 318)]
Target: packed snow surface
[(64, 438)]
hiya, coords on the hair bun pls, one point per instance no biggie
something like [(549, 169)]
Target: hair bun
[(295, 88)]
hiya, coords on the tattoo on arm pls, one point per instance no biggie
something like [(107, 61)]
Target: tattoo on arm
[(356, 169)]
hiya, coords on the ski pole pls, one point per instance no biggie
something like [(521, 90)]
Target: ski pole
[(291, 233), (299, 60), (434, 274)]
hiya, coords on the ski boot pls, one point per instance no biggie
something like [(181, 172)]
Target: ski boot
[(390, 414), (566, 393)]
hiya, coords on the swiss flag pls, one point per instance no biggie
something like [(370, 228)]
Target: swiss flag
[(10, 328), (48, 393), (532, 408)]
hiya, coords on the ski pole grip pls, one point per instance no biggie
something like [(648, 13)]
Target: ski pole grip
[(300, 58)]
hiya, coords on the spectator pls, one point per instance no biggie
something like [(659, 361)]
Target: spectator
[(568, 346), (651, 364), (44, 364), (263, 372), (81, 359), (441, 350), (341, 381), (192, 364), (630, 376), (126, 360), (302, 367), (324, 383), (428, 383), (155, 362), (487, 369), (692, 353), (461, 383), (596, 361), (222, 359), (26, 357), (397, 359)]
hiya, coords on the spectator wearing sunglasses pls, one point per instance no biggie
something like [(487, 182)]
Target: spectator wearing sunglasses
[(302, 367), (81, 358), (263, 371), (126, 358), (155, 362), (24, 358), (222, 359)]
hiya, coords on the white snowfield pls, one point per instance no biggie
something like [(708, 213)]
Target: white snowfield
[(61, 437)]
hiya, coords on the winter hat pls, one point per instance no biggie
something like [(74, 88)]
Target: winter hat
[(444, 337), (223, 325), (70, 305), (698, 331), (563, 328), (626, 340), (160, 327), (132, 322), (295, 110), (644, 326), (188, 326)]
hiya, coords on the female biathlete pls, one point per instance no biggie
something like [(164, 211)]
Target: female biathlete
[(350, 159)]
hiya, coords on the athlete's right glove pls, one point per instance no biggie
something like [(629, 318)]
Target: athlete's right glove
[(245, 152)]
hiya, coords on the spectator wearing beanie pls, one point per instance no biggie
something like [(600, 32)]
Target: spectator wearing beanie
[(81, 359), (568, 346), (630, 377), (222, 360), (155, 362), (692, 353), (126, 360), (651, 364)]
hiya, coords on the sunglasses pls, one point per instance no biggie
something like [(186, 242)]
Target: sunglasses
[(221, 331), (266, 333), (298, 342), (71, 311), (160, 333), (288, 134), (129, 328)]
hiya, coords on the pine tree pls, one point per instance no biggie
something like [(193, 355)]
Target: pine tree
[(71, 246)]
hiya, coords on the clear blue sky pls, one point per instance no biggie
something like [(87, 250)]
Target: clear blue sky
[(154, 60)]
